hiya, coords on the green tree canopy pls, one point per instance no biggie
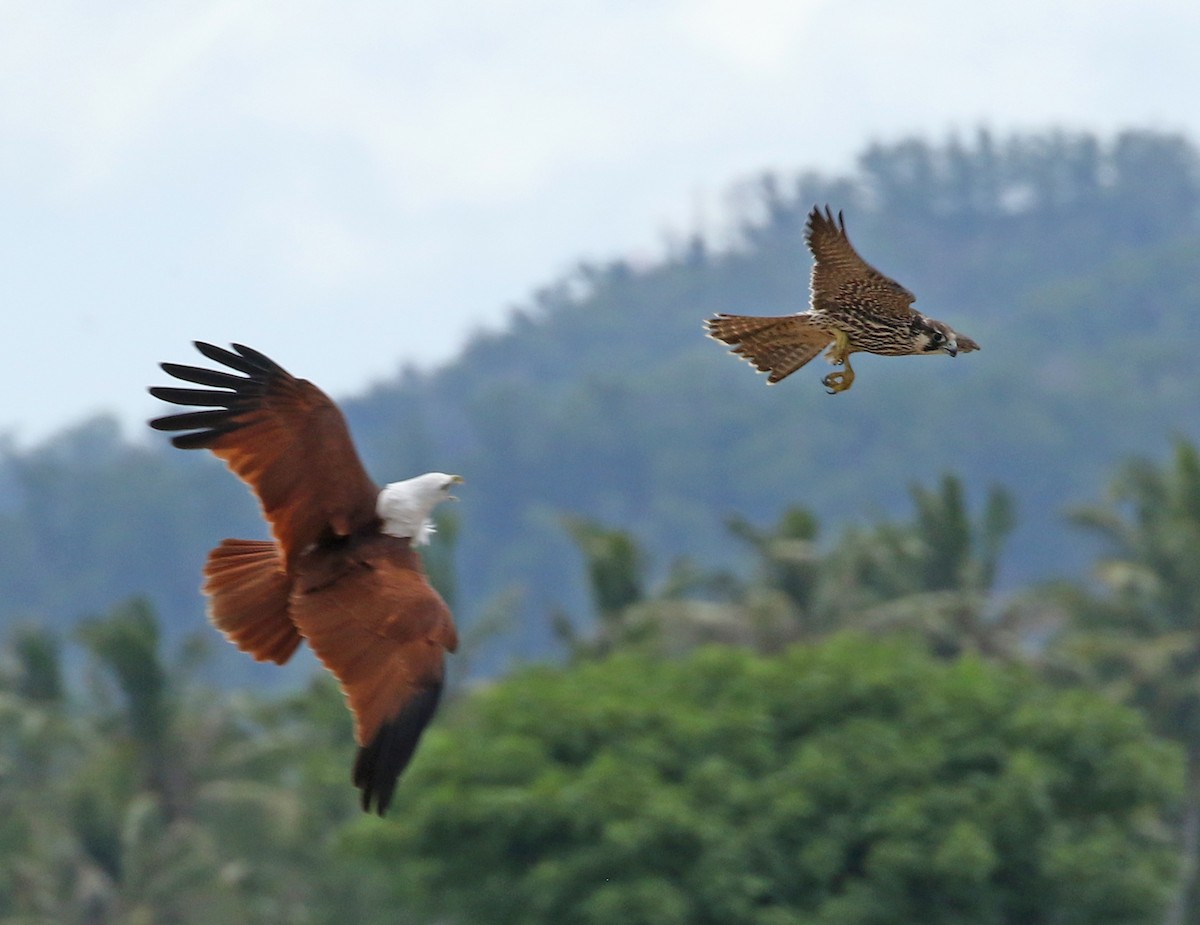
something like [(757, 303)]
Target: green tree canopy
[(855, 781)]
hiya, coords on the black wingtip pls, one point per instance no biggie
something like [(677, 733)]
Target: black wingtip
[(380, 763), (226, 394), (242, 358)]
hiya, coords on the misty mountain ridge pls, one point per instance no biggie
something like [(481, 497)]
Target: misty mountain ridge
[(1070, 258)]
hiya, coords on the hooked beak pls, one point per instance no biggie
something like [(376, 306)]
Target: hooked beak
[(455, 480), (951, 348)]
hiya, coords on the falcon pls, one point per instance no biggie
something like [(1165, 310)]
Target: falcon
[(852, 306), (341, 570)]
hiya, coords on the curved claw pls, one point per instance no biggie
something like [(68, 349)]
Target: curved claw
[(837, 382)]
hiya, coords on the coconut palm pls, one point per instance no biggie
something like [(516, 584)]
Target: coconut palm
[(933, 575)]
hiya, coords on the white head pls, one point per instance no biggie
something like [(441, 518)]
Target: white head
[(405, 506)]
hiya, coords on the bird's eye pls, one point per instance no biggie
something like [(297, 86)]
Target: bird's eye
[(937, 337)]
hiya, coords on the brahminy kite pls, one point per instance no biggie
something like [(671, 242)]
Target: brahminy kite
[(341, 571)]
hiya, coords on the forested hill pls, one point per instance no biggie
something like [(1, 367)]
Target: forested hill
[(1071, 259)]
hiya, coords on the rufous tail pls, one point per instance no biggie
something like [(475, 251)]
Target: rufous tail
[(248, 592)]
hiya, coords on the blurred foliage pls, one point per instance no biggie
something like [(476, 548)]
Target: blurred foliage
[(146, 798), (853, 781), (822, 765), (1139, 636), (931, 577)]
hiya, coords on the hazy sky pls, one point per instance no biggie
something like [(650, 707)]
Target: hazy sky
[(354, 185)]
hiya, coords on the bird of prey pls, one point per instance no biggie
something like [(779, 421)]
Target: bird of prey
[(853, 306), (341, 570)]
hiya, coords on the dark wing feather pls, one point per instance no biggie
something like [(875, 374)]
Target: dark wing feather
[(379, 763), (282, 435), (376, 623), (841, 279)]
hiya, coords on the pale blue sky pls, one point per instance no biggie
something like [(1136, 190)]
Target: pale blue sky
[(353, 185)]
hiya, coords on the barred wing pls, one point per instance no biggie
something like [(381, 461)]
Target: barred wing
[(841, 279)]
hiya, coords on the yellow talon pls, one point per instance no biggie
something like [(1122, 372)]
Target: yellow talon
[(839, 353), (839, 382)]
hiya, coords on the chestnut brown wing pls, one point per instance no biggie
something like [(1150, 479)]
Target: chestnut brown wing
[(282, 435), (376, 623), (841, 279)]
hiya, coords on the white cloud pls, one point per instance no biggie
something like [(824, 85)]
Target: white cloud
[(231, 164), (93, 88), (762, 37)]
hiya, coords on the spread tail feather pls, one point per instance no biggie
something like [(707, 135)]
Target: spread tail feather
[(777, 346), (248, 591)]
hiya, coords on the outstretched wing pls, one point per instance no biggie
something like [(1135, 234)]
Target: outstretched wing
[(282, 435), (377, 624), (842, 280), (776, 346)]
